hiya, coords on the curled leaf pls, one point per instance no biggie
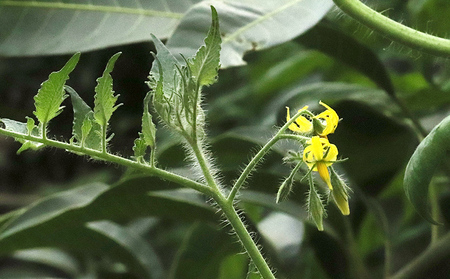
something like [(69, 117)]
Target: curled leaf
[(428, 156)]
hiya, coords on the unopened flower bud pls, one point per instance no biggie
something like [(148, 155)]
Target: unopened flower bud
[(315, 208), (340, 192), (285, 189)]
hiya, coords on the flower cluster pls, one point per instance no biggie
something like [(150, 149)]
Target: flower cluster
[(319, 155)]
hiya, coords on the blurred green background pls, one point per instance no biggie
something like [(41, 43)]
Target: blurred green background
[(365, 77)]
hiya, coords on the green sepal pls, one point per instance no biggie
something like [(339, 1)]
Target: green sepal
[(82, 113), (427, 157), (205, 64), (51, 94), (104, 99)]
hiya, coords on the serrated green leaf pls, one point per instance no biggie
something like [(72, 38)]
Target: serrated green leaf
[(148, 127), (164, 68), (423, 163), (206, 62), (86, 128), (51, 94), (105, 101), (82, 112)]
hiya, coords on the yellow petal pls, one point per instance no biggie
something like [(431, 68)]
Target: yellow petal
[(331, 118), (302, 125), (331, 155), (316, 148), (324, 174)]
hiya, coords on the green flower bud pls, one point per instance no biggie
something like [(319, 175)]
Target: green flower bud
[(340, 192), (315, 208), (285, 189)]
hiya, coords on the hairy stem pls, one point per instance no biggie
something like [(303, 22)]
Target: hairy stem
[(245, 238), (232, 216), (99, 155), (263, 151), (394, 30)]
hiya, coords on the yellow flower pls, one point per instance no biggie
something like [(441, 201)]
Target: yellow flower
[(331, 118), (320, 154), (303, 125)]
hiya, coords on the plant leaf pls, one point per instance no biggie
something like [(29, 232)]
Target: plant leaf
[(51, 94), (206, 62), (136, 197), (50, 257), (164, 68), (203, 250), (148, 127), (23, 128), (427, 157), (104, 98), (247, 25), (133, 244), (45, 27), (81, 113)]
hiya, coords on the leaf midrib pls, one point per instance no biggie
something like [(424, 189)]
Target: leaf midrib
[(92, 8), (262, 18)]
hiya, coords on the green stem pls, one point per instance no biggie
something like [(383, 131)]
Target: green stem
[(252, 164), (394, 30), (437, 253), (245, 238), (232, 216), (211, 190), (434, 204), (152, 156), (206, 169), (104, 138), (96, 154)]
